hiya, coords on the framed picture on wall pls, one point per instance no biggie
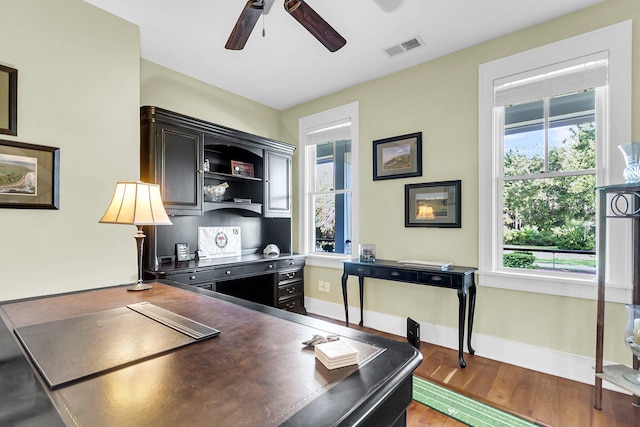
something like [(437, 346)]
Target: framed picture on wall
[(433, 204), (29, 176), (397, 157), (8, 100)]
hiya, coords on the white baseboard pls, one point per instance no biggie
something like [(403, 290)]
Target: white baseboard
[(553, 362)]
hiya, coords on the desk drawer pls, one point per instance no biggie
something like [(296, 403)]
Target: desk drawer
[(294, 304), (290, 290), (244, 270), (193, 277), (291, 263), (391, 274), (357, 270), (289, 275), (436, 279)]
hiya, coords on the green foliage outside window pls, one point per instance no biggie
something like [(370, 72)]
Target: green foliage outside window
[(559, 211), (519, 259)]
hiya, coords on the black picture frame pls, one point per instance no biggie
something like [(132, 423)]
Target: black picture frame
[(38, 183), (433, 204), (397, 157), (9, 101)]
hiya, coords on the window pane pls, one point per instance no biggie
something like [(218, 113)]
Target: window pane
[(549, 223), (524, 139), (332, 230), (572, 142), (333, 166), (324, 167)]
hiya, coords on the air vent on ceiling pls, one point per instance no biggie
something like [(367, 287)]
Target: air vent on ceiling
[(404, 46)]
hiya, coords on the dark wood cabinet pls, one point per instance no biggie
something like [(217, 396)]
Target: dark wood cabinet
[(172, 157), (276, 282), (174, 148), (277, 185), (173, 153)]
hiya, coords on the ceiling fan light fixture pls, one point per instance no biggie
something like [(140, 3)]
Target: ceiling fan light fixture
[(298, 9)]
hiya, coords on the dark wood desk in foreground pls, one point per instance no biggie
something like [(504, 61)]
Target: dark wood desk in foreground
[(256, 372), (458, 278)]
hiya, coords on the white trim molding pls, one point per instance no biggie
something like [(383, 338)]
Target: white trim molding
[(552, 362), (616, 41)]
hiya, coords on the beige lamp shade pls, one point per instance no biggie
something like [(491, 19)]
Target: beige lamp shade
[(137, 203)]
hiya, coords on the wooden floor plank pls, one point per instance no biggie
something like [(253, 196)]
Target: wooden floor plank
[(535, 396)]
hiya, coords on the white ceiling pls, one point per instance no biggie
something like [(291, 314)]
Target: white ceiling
[(289, 66)]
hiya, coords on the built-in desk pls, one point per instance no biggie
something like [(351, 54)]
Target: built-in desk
[(255, 373), (458, 278)]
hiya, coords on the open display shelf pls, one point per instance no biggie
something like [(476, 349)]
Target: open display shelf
[(620, 201)]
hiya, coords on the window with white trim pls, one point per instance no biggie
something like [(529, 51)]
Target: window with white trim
[(550, 121), (546, 128), (328, 174)]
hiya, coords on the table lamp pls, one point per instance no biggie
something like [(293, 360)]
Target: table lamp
[(139, 204)]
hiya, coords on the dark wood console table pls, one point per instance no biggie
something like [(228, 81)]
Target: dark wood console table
[(460, 278)]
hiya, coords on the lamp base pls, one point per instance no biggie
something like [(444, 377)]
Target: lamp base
[(139, 287)]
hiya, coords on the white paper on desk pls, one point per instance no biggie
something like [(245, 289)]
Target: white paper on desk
[(218, 242), (426, 263)]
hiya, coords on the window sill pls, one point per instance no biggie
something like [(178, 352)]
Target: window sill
[(570, 286), (327, 261)]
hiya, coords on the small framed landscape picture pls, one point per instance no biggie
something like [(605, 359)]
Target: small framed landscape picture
[(397, 157), (29, 176), (241, 169), (433, 204)]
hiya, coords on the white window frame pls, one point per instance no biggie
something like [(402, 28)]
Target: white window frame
[(306, 180), (617, 41)]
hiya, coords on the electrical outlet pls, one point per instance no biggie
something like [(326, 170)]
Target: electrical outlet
[(321, 285), (327, 286)]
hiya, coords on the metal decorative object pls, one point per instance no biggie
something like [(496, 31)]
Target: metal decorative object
[(622, 204)]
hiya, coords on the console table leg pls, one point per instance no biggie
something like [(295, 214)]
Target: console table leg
[(344, 297), (472, 309), (361, 283), (462, 301)]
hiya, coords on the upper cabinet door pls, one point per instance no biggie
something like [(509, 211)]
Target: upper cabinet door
[(277, 198), (179, 168)]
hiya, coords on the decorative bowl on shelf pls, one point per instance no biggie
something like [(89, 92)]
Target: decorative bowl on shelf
[(216, 192), (632, 338)]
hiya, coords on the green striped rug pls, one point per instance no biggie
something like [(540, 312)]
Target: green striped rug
[(462, 408)]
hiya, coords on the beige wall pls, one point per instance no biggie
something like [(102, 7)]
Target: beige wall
[(440, 99), (174, 91), (78, 89)]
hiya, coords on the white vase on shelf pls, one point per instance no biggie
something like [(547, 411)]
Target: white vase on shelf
[(631, 152)]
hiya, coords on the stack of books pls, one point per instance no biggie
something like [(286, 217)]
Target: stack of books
[(336, 354)]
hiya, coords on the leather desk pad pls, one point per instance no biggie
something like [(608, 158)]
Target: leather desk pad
[(256, 373), (70, 349)]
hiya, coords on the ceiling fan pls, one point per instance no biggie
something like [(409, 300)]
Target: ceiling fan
[(299, 9)]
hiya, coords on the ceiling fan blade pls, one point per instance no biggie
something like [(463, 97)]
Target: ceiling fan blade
[(318, 27), (245, 24)]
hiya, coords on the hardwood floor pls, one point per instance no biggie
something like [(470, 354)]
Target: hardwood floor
[(544, 399)]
